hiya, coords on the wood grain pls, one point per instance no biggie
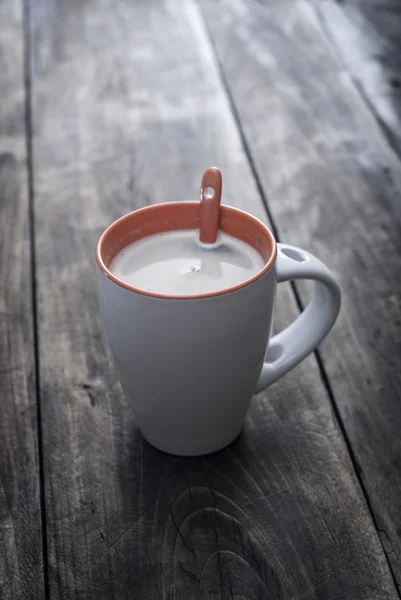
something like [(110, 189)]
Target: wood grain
[(367, 37), (20, 523), (333, 186), (128, 110)]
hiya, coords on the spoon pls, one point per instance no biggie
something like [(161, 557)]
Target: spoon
[(210, 197)]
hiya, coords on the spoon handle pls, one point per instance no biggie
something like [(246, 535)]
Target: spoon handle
[(210, 197)]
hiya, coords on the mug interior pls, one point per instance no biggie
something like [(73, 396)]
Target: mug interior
[(181, 216)]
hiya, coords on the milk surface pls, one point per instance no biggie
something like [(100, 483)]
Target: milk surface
[(176, 263)]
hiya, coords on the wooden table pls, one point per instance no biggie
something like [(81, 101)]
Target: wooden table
[(109, 105)]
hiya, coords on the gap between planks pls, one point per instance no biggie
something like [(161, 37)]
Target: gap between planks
[(26, 23)]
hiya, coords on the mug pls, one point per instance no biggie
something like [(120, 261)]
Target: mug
[(191, 364)]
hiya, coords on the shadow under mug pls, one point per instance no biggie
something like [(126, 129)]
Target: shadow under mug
[(191, 364)]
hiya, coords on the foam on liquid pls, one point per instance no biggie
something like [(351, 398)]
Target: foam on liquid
[(176, 263)]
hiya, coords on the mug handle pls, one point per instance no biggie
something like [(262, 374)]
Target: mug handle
[(295, 342)]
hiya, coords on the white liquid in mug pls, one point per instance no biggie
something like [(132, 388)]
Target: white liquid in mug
[(177, 264)]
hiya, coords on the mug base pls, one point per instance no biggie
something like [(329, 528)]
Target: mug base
[(181, 448)]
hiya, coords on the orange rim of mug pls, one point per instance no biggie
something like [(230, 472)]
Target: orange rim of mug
[(179, 216)]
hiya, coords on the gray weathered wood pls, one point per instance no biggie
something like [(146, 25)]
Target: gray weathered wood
[(333, 186), (128, 110), (20, 523), (367, 37)]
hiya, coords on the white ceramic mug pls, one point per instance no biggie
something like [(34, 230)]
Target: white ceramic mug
[(190, 365)]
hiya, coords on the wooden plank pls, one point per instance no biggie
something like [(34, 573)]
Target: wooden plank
[(20, 522), (367, 37), (129, 110), (333, 186)]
